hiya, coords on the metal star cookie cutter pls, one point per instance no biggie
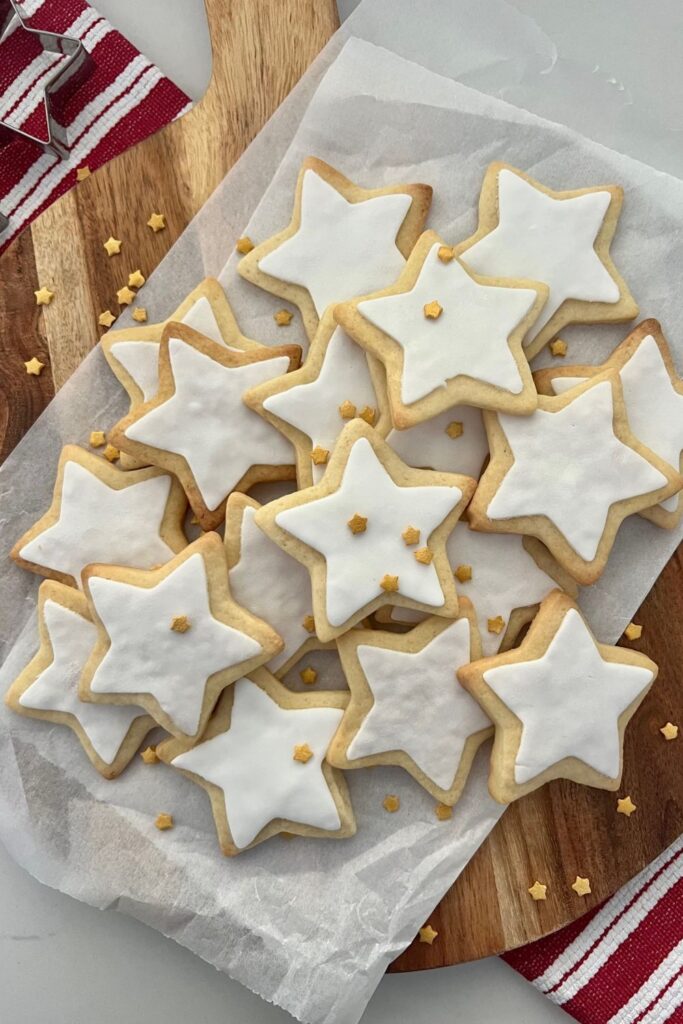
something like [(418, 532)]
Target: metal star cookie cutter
[(68, 77)]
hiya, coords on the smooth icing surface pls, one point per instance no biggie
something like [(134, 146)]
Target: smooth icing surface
[(654, 408), (147, 656), (428, 446), (314, 408), (548, 240), (341, 249), (357, 562), (570, 467), (141, 358), (504, 577), (569, 702), (207, 422), (252, 763), (272, 585), (419, 706), (99, 524), (56, 688), (470, 337)]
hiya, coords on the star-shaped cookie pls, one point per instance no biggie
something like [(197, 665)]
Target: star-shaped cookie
[(171, 639), (311, 406), (407, 708), (446, 335), (569, 474), (560, 703), (343, 240), (560, 238), (246, 762), (198, 426), (653, 396), (47, 688), (101, 514), (372, 532)]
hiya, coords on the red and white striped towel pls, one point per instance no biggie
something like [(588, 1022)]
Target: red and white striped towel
[(125, 99), (623, 962)]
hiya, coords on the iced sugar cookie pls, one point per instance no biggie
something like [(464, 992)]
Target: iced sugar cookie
[(171, 639), (372, 532), (446, 335), (560, 703), (311, 406), (560, 238), (453, 442), (653, 395), (101, 514), (406, 706), (569, 474), (262, 762), (343, 240), (47, 688), (198, 426)]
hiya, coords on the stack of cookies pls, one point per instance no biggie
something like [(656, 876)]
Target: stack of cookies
[(441, 498)]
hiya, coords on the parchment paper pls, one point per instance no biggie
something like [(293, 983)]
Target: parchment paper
[(310, 925)]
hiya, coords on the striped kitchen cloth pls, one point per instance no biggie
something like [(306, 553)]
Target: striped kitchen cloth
[(622, 963), (124, 100)]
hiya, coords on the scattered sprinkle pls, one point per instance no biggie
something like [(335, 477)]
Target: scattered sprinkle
[(112, 246), (626, 806), (82, 173), (140, 315), (283, 317), (369, 415), (34, 367), (111, 453), (180, 624), (558, 348), (433, 310), (581, 886), (463, 573), (411, 535), (244, 245), (496, 625), (427, 934), (149, 756), (347, 410), (164, 822), (633, 631), (98, 439), (319, 456), (443, 812), (357, 523), (455, 429), (669, 731), (424, 556), (309, 624), (125, 296), (106, 319), (302, 753), (157, 222), (389, 583), (446, 253), (136, 279), (308, 676), (44, 296), (391, 803), (537, 891)]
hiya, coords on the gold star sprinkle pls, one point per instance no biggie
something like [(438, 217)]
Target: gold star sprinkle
[(626, 806), (424, 556), (82, 173), (446, 253), (391, 803), (369, 415), (244, 245), (157, 222), (433, 310), (302, 753), (149, 756), (463, 573), (633, 631), (357, 523), (347, 410), (98, 439), (34, 367), (111, 453), (136, 279), (455, 429), (427, 934), (669, 731), (581, 886), (443, 812), (496, 625), (558, 348), (389, 583), (140, 315), (112, 246), (308, 676), (106, 319), (411, 536), (309, 624), (164, 822), (319, 456), (44, 297), (125, 296), (537, 891), (180, 624), (283, 317)]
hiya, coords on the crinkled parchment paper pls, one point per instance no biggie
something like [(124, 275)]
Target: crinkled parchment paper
[(309, 925)]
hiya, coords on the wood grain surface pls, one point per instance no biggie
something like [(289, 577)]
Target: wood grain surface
[(261, 48)]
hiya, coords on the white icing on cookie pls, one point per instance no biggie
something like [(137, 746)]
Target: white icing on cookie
[(470, 337), (100, 524), (272, 585), (206, 421), (357, 562), (147, 656), (341, 249), (253, 764), (56, 688), (570, 466), (549, 240), (419, 706), (654, 408), (428, 446), (313, 408), (569, 702)]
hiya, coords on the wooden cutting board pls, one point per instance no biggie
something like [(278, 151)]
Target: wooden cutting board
[(261, 48)]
